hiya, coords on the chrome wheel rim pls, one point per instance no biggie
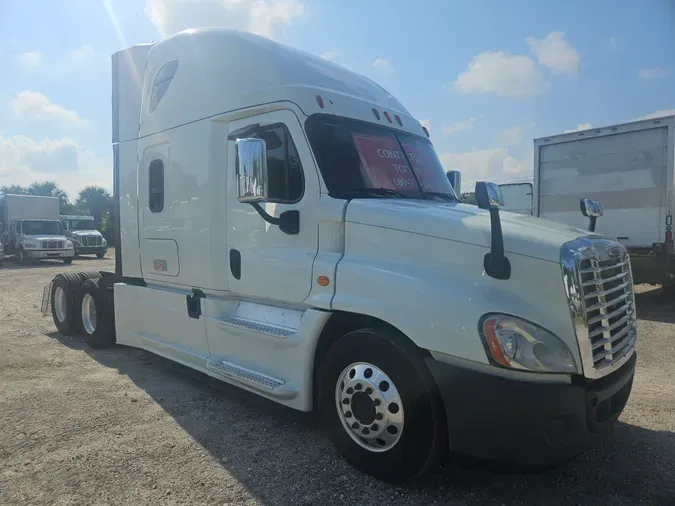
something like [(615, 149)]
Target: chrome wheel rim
[(369, 407), (88, 313), (60, 304)]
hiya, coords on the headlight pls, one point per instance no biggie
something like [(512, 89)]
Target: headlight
[(105, 242), (69, 244), (28, 245), (518, 344)]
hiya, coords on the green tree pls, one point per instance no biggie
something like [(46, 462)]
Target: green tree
[(14, 189), (96, 201)]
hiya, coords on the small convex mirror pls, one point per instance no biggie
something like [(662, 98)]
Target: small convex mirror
[(489, 195), (590, 208), (251, 170)]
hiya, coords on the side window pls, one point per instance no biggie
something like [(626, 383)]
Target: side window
[(285, 177), (156, 186), (162, 82)]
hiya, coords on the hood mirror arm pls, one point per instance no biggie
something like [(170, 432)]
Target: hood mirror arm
[(591, 209), (489, 197)]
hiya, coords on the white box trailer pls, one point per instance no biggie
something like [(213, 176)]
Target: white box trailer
[(628, 169), (286, 226), (517, 197)]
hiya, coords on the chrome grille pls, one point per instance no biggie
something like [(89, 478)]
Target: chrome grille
[(52, 244), (599, 286), (610, 309), (92, 240)]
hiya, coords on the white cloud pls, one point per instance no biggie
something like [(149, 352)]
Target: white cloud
[(82, 54), (263, 17), (35, 105), (655, 73), (24, 160), (658, 114), (501, 73), (580, 127), (510, 136), (30, 60), (460, 126), (495, 164), (331, 55), (556, 53), (383, 65)]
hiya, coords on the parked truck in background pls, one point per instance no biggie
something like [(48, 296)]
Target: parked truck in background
[(629, 169), (81, 230), (286, 226), (517, 197), (30, 229)]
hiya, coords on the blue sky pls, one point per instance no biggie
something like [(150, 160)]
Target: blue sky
[(486, 76)]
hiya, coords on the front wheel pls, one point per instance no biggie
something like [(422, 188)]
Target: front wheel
[(380, 406), (100, 254), (67, 261)]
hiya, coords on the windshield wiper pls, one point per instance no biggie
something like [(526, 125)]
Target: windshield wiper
[(446, 196), (385, 192)]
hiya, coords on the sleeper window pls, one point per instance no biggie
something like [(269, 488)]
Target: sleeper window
[(156, 186), (284, 171)]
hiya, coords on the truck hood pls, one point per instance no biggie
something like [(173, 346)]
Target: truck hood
[(523, 235), (45, 237), (86, 232)]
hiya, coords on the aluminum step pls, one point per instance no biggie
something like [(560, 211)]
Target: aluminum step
[(270, 385), (260, 328)]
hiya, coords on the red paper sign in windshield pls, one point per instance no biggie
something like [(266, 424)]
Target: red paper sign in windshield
[(432, 179), (388, 168)]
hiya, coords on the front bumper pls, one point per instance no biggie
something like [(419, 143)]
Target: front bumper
[(49, 253), (528, 423), (87, 250)]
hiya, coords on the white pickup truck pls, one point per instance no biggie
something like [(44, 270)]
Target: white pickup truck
[(286, 226), (30, 229)]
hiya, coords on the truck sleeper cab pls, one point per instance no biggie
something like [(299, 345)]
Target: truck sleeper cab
[(286, 226)]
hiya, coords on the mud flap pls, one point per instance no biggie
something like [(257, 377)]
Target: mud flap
[(46, 299)]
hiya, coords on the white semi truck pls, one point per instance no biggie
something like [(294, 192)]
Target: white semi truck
[(630, 170), (81, 230), (30, 229), (286, 226)]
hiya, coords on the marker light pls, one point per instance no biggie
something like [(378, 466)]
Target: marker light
[(386, 115), (398, 119), (319, 100), (376, 113)]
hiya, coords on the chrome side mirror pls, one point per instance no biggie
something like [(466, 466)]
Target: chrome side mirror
[(251, 170), (455, 178), (489, 196), (591, 209)]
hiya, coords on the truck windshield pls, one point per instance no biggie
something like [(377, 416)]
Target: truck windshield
[(358, 159), (81, 224), (39, 227)]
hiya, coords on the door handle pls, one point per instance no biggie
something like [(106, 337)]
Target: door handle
[(235, 263)]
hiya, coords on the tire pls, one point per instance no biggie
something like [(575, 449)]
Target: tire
[(67, 261), (84, 276), (100, 254), (421, 441), (64, 311), (97, 315)]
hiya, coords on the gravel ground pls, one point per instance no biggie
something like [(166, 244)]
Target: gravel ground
[(122, 426)]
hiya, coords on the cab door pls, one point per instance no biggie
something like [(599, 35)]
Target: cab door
[(266, 263)]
